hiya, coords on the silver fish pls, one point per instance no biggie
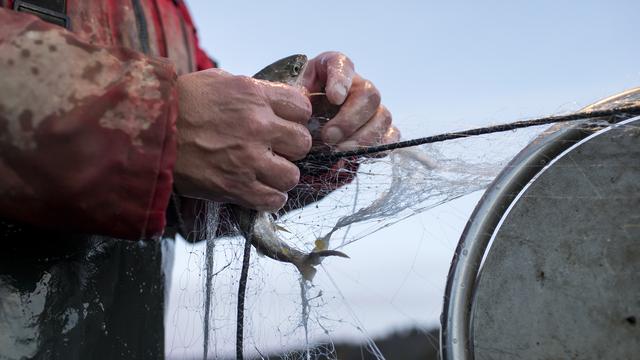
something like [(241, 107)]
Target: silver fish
[(288, 70), (258, 226)]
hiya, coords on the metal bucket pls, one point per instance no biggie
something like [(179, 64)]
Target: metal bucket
[(548, 266)]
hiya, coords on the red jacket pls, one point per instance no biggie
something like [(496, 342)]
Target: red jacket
[(87, 116)]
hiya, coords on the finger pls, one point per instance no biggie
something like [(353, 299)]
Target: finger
[(339, 72), (372, 133), (288, 102), (392, 135), (262, 197), (291, 140), (277, 172), (361, 105)]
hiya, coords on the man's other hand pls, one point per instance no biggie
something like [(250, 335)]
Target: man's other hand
[(237, 137), (361, 120)]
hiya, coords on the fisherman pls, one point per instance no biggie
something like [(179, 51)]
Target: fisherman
[(113, 121)]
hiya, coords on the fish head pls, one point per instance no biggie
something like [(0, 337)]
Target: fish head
[(288, 70)]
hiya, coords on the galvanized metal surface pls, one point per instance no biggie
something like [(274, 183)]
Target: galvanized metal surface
[(561, 279), (456, 316)]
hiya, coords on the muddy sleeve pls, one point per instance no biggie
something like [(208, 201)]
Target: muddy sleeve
[(87, 134)]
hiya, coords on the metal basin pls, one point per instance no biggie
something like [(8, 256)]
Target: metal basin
[(548, 266)]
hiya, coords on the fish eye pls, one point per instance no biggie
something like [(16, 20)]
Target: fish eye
[(296, 69)]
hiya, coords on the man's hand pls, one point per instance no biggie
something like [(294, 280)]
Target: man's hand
[(361, 120), (236, 138)]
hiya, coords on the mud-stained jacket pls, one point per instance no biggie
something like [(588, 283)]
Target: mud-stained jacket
[(87, 116)]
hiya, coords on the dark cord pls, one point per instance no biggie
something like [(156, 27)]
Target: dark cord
[(242, 288), (334, 156)]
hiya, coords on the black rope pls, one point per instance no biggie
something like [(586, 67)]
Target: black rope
[(242, 288), (334, 156)]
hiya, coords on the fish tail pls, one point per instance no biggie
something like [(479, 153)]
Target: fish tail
[(308, 263), (307, 270)]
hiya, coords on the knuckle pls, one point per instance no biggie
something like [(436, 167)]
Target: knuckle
[(305, 142), (341, 57), (255, 157), (387, 119), (244, 83), (259, 126), (298, 141), (348, 61), (327, 56), (395, 134), (298, 106), (386, 112), (335, 59), (248, 86), (254, 126)]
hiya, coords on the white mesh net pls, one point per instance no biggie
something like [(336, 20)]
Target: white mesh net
[(286, 317)]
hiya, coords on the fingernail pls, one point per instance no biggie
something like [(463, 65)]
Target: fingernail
[(347, 145), (333, 135), (341, 90)]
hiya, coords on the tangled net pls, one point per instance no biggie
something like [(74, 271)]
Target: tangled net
[(290, 317)]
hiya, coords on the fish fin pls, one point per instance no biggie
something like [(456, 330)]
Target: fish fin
[(307, 265), (320, 245), (325, 253), (281, 228), (315, 257)]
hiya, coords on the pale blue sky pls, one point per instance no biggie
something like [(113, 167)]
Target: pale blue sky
[(445, 63), (439, 66)]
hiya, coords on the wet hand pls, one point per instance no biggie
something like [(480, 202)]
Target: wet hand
[(361, 119), (237, 137)]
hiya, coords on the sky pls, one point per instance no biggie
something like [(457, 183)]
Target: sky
[(439, 66), (446, 63)]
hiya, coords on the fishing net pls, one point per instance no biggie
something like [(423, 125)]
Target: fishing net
[(372, 218)]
